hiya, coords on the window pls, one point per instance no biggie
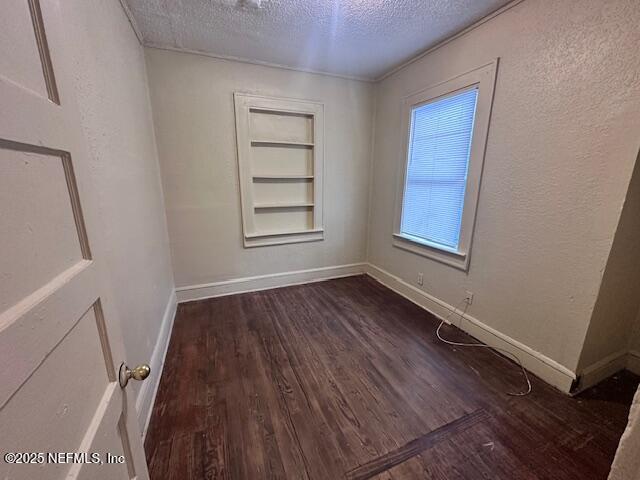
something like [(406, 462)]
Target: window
[(440, 138), (446, 128)]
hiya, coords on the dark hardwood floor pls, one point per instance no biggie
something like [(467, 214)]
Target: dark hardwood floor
[(346, 379)]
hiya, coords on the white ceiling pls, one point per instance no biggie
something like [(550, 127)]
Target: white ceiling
[(357, 38)]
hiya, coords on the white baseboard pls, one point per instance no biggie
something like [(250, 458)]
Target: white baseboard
[(149, 388), (595, 373), (265, 282), (633, 361), (604, 368), (544, 367)]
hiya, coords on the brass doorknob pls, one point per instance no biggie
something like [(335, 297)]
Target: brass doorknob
[(139, 373)]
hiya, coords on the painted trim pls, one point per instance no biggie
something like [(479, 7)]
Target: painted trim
[(544, 367), (441, 44), (633, 361), (603, 368), (265, 282), (607, 366), (147, 394), (132, 21), (261, 63), (483, 79)]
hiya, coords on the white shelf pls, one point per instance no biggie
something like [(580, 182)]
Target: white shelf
[(283, 177), (260, 206), (260, 239), (283, 233), (281, 143)]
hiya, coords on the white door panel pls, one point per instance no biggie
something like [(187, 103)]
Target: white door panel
[(20, 60), (34, 212), (60, 345)]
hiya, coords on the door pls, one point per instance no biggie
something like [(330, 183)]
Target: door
[(60, 345)]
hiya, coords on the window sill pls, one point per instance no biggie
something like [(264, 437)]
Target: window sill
[(440, 253)]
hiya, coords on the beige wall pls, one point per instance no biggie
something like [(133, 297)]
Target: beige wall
[(192, 98), (114, 103), (616, 310), (562, 144)]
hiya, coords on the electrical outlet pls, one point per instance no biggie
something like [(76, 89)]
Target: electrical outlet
[(468, 297), (420, 279)]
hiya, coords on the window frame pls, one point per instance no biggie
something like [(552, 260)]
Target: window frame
[(483, 78)]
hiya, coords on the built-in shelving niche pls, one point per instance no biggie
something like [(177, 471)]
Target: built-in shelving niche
[(280, 156)]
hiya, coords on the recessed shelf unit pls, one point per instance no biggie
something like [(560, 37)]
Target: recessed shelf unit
[(280, 161)]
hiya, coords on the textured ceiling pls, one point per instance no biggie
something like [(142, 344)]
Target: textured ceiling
[(358, 38)]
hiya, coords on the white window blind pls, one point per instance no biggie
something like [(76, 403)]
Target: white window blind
[(438, 160)]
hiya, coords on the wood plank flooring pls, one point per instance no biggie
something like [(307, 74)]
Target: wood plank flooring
[(345, 379)]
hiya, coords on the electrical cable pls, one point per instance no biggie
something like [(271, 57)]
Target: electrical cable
[(482, 345)]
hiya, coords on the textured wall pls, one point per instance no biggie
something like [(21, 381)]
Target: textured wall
[(192, 98), (562, 144), (114, 103), (616, 309)]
